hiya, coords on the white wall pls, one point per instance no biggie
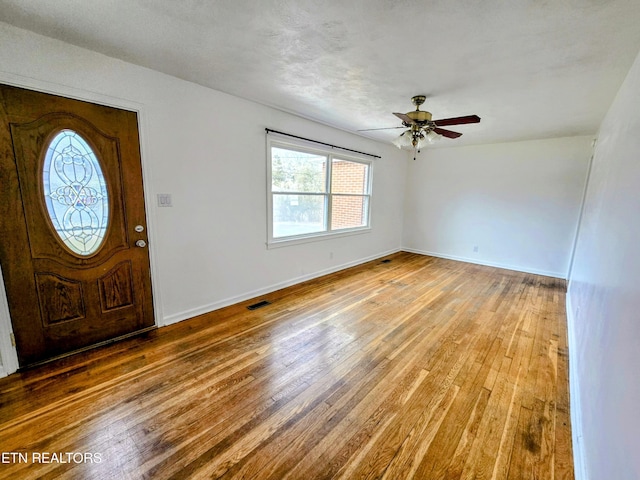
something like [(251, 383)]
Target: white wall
[(604, 297), (208, 150), (517, 202)]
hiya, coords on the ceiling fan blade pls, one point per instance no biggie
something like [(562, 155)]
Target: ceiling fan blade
[(404, 117), (447, 133), (383, 128), (457, 120)]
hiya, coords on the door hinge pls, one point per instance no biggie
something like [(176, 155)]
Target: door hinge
[(13, 339)]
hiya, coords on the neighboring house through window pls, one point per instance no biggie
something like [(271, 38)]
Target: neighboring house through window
[(315, 193)]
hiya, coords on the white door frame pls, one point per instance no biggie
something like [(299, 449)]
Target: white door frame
[(8, 353)]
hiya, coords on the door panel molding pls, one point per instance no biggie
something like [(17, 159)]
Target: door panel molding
[(116, 287), (64, 295)]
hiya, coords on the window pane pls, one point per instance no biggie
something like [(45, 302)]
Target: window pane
[(349, 211), (298, 214), (293, 171), (349, 177), (75, 193)]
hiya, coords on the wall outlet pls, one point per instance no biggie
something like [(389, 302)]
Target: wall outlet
[(475, 249)]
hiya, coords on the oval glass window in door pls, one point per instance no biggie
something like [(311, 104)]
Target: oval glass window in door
[(75, 193)]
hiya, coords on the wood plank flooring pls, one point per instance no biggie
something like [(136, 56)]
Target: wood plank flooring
[(418, 368)]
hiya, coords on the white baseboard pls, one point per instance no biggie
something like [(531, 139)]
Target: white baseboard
[(193, 312), (575, 405), (516, 268)]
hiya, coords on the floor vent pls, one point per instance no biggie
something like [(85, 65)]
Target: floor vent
[(386, 260), (261, 304)]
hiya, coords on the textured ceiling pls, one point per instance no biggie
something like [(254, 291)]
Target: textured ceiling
[(530, 68)]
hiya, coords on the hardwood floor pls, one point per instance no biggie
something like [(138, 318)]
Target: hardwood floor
[(418, 368)]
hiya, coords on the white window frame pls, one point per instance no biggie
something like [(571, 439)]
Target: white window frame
[(330, 154)]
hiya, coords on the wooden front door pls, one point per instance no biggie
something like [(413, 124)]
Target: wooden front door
[(72, 224)]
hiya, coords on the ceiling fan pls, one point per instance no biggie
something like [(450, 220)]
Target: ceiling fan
[(421, 129)]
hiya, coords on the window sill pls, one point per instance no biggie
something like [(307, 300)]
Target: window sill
[(316, 237)]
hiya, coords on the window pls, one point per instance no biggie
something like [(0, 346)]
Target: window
[(315, 193), (75, 193)]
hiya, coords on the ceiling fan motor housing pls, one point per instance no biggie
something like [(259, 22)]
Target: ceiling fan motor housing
[(419, 116)]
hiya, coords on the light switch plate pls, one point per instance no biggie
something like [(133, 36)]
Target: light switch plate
[(164, 200)]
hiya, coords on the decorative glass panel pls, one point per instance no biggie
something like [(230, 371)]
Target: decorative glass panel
[(75, 193)]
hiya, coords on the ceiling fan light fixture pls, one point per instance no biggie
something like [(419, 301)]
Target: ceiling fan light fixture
[(404, 140), (415, 139), (421, 141), (432, 137)]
